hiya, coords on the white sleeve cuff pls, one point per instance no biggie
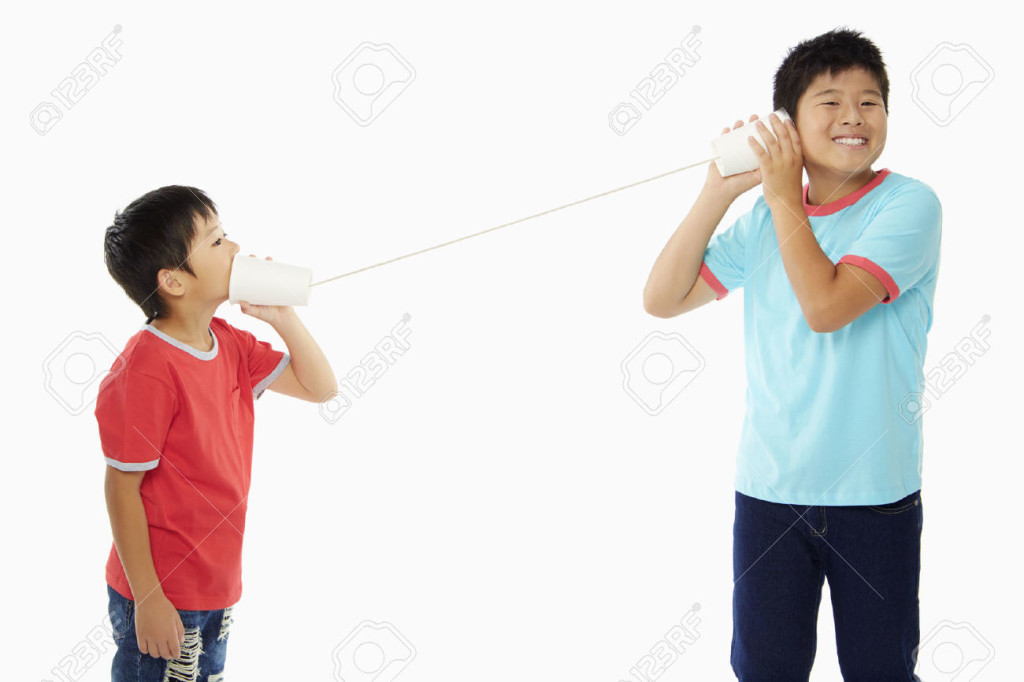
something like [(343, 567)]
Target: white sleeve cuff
[(132, 466)]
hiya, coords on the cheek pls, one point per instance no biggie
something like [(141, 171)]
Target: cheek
[(808, 129)]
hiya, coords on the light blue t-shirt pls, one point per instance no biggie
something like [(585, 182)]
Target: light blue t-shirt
[(830, 417)]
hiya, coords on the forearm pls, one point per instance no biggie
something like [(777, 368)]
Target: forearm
[(307, 359), (130, 528), (810, 272), (678, 265)]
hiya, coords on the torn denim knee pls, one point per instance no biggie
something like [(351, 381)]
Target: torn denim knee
[(185, 668), (225, 624)]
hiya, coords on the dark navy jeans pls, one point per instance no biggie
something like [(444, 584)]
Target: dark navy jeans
[(202, 654), (871, 556)]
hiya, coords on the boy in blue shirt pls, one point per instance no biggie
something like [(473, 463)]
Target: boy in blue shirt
[(840, 281)]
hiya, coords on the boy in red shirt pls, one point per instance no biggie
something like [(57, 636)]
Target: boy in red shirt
[(175, 420)]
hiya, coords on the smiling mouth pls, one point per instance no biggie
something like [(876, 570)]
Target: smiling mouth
[(852, 142)]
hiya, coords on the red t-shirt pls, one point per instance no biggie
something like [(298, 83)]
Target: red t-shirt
[(185, 417)]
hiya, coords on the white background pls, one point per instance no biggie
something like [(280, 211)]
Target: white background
[(497, 496)]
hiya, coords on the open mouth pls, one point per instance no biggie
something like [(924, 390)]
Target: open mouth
[(851, 142)]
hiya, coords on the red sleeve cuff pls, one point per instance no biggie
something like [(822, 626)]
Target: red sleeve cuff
[(876, 270), (712, 281)]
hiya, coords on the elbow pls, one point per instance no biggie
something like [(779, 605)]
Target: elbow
[(648, 302), (818, 315), (816, 324), (325, 395), (652, 309), (327, 391), (819, 324), (823, 323), (652, 306)]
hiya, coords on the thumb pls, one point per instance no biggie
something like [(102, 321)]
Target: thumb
[(179, 627)]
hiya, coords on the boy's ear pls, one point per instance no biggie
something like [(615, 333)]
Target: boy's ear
[(170, 282)]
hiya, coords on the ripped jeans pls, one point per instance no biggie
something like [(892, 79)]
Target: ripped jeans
[(202, 654)]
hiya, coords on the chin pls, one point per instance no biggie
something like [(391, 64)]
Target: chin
[(845, 164)]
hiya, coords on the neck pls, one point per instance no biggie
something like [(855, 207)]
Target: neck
[(824, 187), (191, 327)]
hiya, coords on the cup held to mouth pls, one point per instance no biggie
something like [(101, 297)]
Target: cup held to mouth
[(267, 282)]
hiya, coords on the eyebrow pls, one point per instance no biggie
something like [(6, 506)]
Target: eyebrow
[(210, 233), (833, 91)]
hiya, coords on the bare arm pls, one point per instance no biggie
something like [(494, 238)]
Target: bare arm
[(157, 624), (308, 375), (673, 286)]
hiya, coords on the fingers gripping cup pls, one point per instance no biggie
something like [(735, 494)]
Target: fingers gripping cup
[(266, 282), (734, 152)]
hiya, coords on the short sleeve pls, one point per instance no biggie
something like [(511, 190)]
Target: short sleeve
[(900, 245), (134, 412), (724, 266), (265, 363)]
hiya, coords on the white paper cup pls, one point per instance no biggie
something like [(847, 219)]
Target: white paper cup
[(267, 282), (734, 152)]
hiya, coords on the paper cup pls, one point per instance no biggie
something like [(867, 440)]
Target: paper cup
[(734, 152), (267, 282)]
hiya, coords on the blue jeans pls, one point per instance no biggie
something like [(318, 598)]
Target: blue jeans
[(871, 556), (202, 654)]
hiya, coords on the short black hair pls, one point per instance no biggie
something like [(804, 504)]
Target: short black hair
[(833, 53), (154, 232)]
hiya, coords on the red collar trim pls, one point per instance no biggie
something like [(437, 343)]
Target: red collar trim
[(848, 200)]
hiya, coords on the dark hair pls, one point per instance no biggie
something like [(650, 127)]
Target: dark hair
[(154, 232), (833, 52)]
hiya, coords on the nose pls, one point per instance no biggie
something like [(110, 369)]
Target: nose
[(851, 115)]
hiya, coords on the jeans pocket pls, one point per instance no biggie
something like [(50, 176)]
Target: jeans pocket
[(909, 502), (120, 613)]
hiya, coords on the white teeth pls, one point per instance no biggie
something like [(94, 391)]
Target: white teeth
[(851, 141)]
